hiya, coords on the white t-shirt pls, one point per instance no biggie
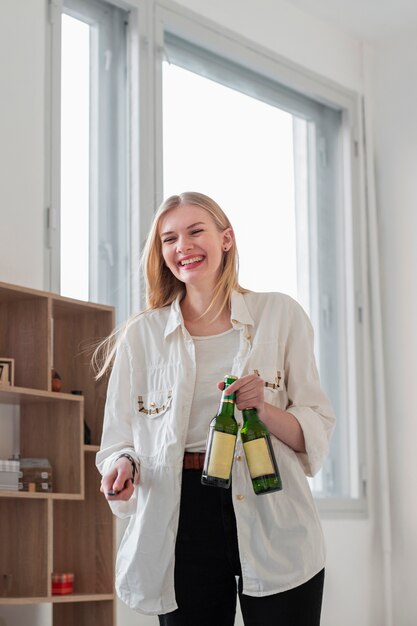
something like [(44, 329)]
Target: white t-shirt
[(214, 357)]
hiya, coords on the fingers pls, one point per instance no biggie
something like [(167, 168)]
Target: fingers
[(123, 494), (121, 480), (117, 484), (247, 383), (107, 481), (249, 391)]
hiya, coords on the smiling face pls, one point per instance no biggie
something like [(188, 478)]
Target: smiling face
[(192, 245)]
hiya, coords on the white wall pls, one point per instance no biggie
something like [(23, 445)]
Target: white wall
[(352, 596), (395, 97), (22, 62), (22, 149)]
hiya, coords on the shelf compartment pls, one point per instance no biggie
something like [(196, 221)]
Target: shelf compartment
[(77, 330), (84, 613), (52, 427), (23, 560), (87, 527), (24, 335)]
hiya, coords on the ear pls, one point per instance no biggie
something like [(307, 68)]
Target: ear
[(228, 238)]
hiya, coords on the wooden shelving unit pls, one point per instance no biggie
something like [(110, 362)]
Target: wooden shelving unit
[(70, 529)]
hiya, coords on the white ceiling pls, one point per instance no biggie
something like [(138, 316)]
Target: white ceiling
[(372, 20)]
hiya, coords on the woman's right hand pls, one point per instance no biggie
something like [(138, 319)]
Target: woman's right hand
[(117, 484)]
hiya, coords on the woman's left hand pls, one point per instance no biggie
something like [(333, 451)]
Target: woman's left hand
[(249, 392)]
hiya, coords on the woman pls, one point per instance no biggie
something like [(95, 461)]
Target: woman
[(189, 550)]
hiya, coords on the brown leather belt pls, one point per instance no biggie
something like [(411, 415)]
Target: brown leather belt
[(194, 460)]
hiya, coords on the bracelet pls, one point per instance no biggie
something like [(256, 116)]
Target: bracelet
[(132, 461)]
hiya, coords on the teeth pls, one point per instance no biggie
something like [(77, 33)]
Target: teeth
[(193, 260)]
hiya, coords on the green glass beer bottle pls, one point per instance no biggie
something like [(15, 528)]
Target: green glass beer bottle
[(221, 441), (259, 454)]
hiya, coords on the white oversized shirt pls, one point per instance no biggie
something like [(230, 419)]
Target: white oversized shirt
[(147, 411)]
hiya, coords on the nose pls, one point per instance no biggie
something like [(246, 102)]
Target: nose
[(184, 244)]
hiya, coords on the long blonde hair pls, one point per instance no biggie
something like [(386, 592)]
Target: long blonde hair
[(161, 286)]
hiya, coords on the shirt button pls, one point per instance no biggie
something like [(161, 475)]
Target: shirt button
[(240, 496), (238, 457), (239, 424)]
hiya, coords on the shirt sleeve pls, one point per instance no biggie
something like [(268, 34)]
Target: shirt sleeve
[(117, 436), (306, 399)]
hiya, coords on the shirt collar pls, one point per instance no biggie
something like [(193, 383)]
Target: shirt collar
[(175, 318), (239, 313)]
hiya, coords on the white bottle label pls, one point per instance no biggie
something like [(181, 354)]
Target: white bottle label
[(257, 456), (221, 455)]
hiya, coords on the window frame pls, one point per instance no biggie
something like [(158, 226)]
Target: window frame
[(102, 240), (323, 237)]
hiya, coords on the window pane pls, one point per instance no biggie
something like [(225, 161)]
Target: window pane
[(75, 162), (272, 160), (238, 150)]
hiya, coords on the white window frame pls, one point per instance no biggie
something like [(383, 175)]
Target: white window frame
[(102, 225)]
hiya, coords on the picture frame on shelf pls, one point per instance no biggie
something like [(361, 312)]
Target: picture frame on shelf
[(6, 371)]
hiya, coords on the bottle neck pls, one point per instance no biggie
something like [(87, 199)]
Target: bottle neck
[(250, 415), (227, 403)]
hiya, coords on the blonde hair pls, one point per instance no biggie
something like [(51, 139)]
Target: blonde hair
[(162, 287)]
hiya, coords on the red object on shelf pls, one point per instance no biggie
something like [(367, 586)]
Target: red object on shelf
[(62, 584)]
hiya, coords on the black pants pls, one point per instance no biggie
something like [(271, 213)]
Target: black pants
[(207, 563)]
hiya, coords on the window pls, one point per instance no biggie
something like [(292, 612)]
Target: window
[(94, 223), (272, 158)]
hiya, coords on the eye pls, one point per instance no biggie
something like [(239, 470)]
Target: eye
[(168, 240), (196, 231)]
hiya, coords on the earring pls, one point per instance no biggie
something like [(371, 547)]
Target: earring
[(225, 248)]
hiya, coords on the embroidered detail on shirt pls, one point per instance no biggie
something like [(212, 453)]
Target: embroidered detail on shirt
[(153, 409), (276, 384)]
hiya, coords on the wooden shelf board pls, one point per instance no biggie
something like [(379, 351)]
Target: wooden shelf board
[(91, 448), (71, 597), (14, 292), (26, 494), (9, 291), (83, 597), (63, 305), (21, 395), (41, 495), (67, 496)]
